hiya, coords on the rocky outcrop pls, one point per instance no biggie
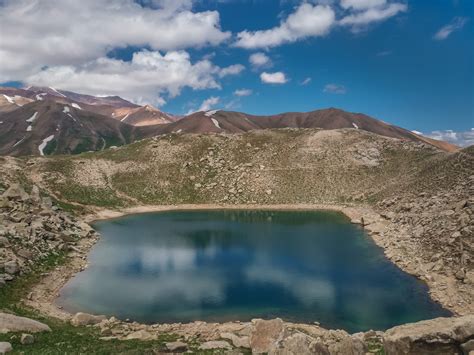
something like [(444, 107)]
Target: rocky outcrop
[(33, 229), (11, 323), (440, 335)]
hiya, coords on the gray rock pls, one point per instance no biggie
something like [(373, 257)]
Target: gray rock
[(35, 194), (11, 267), (12, 323), (215, 344), (16, 192), (265, 335), (141, 335), (176, 346), (27, 339), (439, 333), (86, 319), (238, 342), (468, 347), (5, 347)]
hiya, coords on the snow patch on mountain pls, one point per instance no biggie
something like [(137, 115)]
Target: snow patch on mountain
[(9, 99), (76, 106), (216, 123), (56, 91), (355, 126), (29, 128), (210, 113), (66, 109), (32, 118), (44, 143)]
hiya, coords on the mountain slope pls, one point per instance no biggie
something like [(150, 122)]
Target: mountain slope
[(237, 122), (48, 127)]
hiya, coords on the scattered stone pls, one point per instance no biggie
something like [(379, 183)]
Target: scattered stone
[(5, 347), (141, 335), (215, 344), (176, 346), (12, 323), (16, 192), (86, 319), (11, 267), (238, 342), (27, 339)]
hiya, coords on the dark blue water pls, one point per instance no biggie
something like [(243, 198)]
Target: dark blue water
[(239, 265)]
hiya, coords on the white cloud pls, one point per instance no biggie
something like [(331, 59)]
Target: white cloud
[(371, 14), (243, 92), (273, 78), (307, 21), (259, 59), (231, 70), (361, 4), (149, 75), (456, 24), (53, 33), (306, 81), (460, 138), (335, 89), (209, 103)]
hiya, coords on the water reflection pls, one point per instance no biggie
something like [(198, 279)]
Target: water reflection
[(228, 265)]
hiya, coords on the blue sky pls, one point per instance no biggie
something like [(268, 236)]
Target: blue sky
[(408, 62)]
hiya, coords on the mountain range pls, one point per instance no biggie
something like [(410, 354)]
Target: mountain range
[(45, 121)]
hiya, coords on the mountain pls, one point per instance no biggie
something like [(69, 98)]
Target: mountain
[(217, 121), (111, 106), (38, 120), (49, 127)]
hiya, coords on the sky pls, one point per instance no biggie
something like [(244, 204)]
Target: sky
[(407, 62)]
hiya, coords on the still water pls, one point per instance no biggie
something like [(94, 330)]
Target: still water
[(238, 265)]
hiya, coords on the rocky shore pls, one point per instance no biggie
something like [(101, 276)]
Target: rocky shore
[(33, 229)]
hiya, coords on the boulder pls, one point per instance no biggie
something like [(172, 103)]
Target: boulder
[(265, 335), (296, 344), (443, 334), (176, 346), (27, 339), (238, 342), (35, 195), (16, 192), (5, 347), (215, 344), (12, 323), (141, 335), (86, 319), (11, 267)]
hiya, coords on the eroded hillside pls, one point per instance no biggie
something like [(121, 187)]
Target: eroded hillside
[(271, 166)]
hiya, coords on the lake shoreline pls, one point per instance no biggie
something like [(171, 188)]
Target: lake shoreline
[(46, 291)]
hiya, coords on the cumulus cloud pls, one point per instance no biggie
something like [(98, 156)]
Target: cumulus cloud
[(259, 59), (145, 78), (273, 78), (455, 25), (307, 21), (461, 138), (368, 12), (231, 70), (243, 92), (335, 89), (36, 34), (316, 20), (209, 103)]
